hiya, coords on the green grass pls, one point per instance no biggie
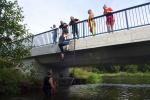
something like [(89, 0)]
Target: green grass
[(90, 77), (120, 77), (126, 74)]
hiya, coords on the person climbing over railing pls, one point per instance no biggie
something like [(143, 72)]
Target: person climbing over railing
[(54, 32), (91, 22), (64, 28), (63, 42), (73, 23), (109, 18)]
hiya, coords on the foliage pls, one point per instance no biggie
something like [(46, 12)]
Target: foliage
[(90, 77), (108, 68), (144, 68), (9, 80), (94, 78), (12, 46), (113, 68), (131, 68), (79, 73), (12, 81)]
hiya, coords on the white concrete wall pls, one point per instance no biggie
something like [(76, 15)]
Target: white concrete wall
[(115, 38)]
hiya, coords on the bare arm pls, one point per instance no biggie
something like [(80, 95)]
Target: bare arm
[(51, 83)]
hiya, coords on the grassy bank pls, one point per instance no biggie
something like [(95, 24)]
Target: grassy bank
[(116, 78), (124, 74)]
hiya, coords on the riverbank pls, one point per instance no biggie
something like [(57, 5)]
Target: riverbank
[(117, 78)]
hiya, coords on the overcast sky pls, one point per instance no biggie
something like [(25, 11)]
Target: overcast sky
[(40, 15)]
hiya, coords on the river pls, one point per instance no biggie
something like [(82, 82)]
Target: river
[(115, 89)]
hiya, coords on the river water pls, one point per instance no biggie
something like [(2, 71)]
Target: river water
[(115, 89)]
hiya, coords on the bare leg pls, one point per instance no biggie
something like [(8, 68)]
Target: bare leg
[(112, 28), (108, 28), (62, 56), (67, 47)]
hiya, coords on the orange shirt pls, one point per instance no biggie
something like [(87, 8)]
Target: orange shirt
[(108, 10)]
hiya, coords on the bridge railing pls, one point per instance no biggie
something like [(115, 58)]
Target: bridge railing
[(128, 18)]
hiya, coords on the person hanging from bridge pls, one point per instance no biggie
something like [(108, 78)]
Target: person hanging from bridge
[(63, 42), (64, 28), (73, 23), (54, 32), (109, 18), (49, 85), (91, 22)]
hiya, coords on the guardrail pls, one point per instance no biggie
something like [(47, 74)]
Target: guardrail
[(128, 18)]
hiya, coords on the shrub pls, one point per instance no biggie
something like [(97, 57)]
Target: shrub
[(144, 68), (94, 78), (90, 77), (131, 68), (114, 68), (9, 81)]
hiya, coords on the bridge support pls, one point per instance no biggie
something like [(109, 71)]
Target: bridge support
[(41, 70)]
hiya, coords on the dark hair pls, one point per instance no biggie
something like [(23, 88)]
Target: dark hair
[(49, 73)]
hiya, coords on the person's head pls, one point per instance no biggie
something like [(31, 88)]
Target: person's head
[(54, 26), (49, 73), (61, 22), (89, 11), (104, 7), (71, 18)]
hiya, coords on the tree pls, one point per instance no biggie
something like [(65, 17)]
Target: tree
[(12, 31)]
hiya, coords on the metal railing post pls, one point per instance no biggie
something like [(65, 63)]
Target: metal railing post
[(127, 22), (83, 30), (32, 42)]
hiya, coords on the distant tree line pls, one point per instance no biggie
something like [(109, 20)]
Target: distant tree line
[(132, 68)]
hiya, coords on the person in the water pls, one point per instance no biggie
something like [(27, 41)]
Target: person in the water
[(48, 85)]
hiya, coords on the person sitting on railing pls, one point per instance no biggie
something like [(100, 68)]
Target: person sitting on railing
[(64, 28), (109, 18), (91, 22), (73, 23), (54, 32), (63, 42)]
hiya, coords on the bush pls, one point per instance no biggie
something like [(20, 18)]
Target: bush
[(79, 73), (90, 77), (144, 68), (131, 68), (94, 78), (114, 68), (10, 80)]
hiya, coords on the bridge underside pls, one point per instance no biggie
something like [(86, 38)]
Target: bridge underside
[(131, 53)]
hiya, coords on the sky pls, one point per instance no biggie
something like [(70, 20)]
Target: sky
[(40, 15)]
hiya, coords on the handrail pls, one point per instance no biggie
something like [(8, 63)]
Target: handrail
[(101, 16), (124, 19)]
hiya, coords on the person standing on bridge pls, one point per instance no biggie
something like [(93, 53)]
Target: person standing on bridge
[(73, 23), (54, 32), (109, 18), (91, 22), (64, 28)]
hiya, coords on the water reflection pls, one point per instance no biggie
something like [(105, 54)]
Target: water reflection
[(92, 92)]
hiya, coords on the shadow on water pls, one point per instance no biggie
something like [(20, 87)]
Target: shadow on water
[(92, 92)]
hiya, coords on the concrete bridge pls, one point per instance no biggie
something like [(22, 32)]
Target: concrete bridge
[(129, 43)]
